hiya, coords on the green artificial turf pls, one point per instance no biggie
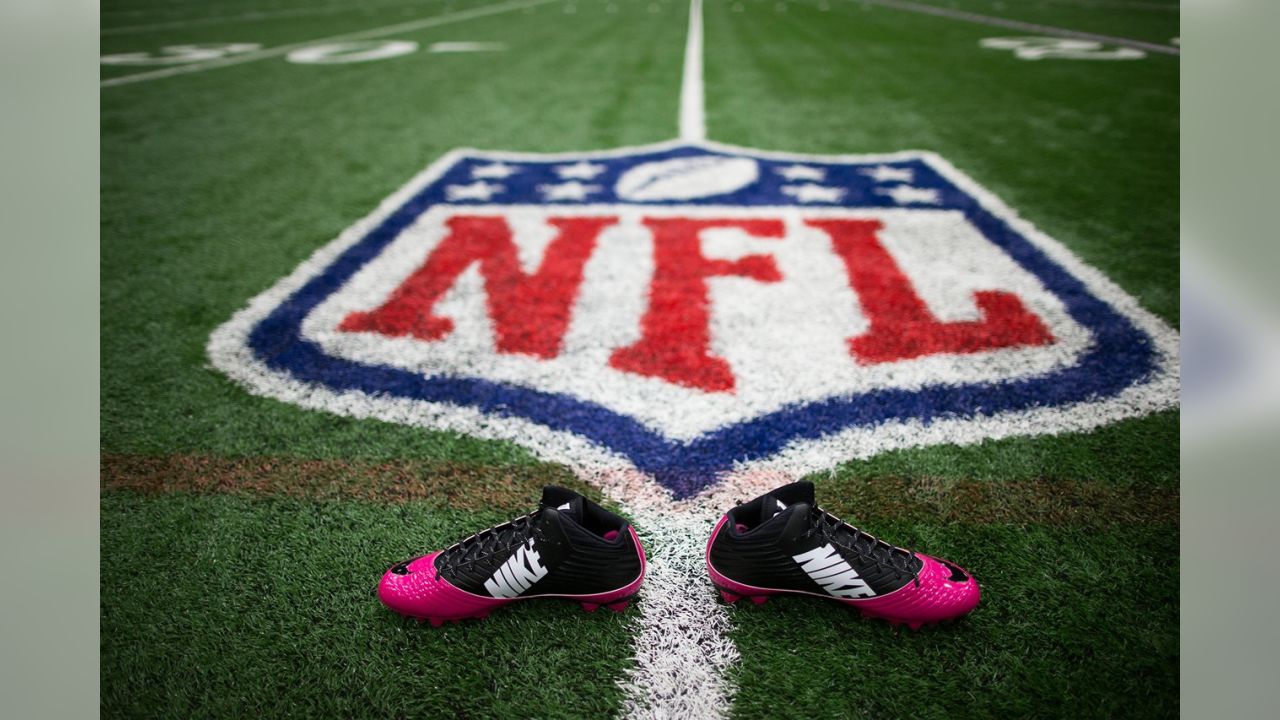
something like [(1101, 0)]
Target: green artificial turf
[(230, 607), (1154, 21), (216, 184), (1085, 150), (1139, 452), (227, 605), (1073, 623)]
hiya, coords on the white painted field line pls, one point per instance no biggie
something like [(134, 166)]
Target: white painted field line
[(251, 17), (683, 652), (1119, 5), (410, 26), (682, 647), (693, 114), (1021, 26)]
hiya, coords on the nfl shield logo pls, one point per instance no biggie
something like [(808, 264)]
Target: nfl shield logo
[(688, 310)]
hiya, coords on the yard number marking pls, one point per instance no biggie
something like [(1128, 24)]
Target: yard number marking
[(356, 51), (1039, 48), (181, 54)]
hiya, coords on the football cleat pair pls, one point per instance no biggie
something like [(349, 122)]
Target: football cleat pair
[(778, 544)]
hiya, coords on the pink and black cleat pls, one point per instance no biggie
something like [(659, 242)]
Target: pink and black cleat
[(568, 548), (782, 543)]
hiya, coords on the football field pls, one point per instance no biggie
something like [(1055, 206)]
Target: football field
[(243, 529)]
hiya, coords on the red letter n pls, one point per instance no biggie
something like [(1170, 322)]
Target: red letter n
[(530, 313)]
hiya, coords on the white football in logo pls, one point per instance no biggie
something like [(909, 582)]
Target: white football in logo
[(687, 178)]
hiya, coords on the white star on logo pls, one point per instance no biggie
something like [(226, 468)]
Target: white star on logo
[(802, 172), (581, 170), (496, 171), (903, 194), (813, 193), (572, 190), (479, 190), (885, 173)]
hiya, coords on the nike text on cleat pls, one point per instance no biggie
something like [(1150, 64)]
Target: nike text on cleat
[(783, 543), (568, 548)]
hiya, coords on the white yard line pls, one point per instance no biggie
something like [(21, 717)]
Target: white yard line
[(251, 17), (693, 114), (1118, 5), (1021, 26), (404, 27), (682, 649)]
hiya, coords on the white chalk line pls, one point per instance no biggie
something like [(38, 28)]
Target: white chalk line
[(991, 20), (693, 116), (258, 16), (409, 26), (1118, 5), (682, 649)]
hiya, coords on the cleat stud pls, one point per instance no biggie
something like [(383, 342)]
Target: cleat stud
[(759, 599), (590, 607), (436, 622), (618, 606), (730, 597), (914, 625)]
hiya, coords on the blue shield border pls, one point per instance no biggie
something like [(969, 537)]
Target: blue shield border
[(1130, 349)]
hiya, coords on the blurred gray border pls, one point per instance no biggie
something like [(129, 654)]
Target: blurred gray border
[(49, 359), (1231, 359)]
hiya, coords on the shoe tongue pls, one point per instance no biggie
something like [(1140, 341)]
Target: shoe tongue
[(772, 506), (565, 502), (784, 497)]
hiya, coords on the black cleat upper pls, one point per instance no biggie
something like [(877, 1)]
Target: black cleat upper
[(759, 542), (568, 534)]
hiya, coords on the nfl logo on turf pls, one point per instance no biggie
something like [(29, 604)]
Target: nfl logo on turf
[(689, 310)]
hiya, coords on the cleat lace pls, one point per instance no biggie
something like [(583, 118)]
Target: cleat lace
[(866, 546), (499, 538)]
